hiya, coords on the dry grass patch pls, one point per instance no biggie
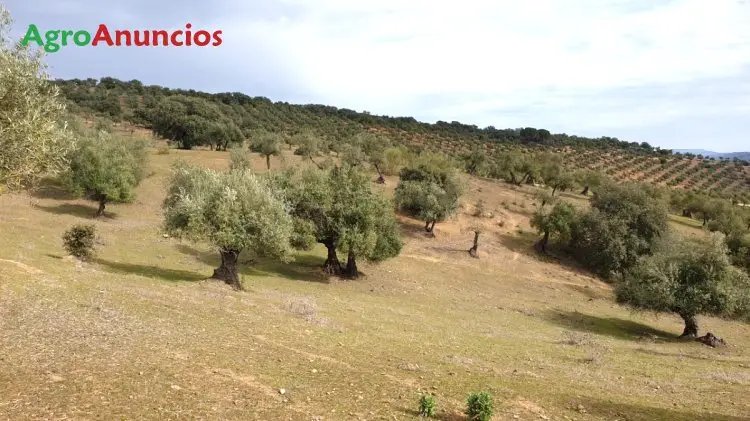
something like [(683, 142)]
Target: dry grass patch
[(139, 334)]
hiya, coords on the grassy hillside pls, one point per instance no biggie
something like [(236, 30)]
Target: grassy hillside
[(619, 159), (138, 333)]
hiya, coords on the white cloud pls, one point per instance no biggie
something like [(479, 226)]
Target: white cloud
[(394, 49), (568, 65), (560, 62)]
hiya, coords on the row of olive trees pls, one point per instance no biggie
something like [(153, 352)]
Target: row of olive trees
[(624, 237), (272, 214), (520, 167), (363, 150), (718, 215)]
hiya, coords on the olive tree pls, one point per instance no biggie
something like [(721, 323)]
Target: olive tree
[(589, 179), (239, 159), (234, 211), (558, 222), (310, 198), (34, 140), (365, 222), (309, 146), (428, 190), (689, 277), (477, 221), (338, 209), (558, 178), (267, 144), (367, 147), (476, 162), (106, 168), (623, 224), (507, 165)]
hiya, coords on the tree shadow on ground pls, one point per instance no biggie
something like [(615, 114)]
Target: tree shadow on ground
[(51, 189), (452, 249), (714, 358), (522, 243), (440, 415), (305, 267), (590, 292), (172, 275), (74, 209), (609, 326), (413, 228), (612, 410)]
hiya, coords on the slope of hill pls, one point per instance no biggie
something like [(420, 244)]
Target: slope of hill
[(137, 334), (234, 116)]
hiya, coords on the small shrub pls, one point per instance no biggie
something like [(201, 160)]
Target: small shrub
[(162, 150), (79, 241), (427, 406), (577, 339), (480, 208), (479, 407)]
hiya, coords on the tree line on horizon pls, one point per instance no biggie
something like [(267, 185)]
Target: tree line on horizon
[(134, 102), (191, 119)]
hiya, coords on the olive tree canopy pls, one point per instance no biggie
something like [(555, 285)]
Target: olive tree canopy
[(34, 140), (234, 211), (688, 277)]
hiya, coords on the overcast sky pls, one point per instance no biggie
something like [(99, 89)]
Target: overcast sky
[(674, 73)]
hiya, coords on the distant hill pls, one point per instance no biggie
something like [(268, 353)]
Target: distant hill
[(193, 119), (730, 155)]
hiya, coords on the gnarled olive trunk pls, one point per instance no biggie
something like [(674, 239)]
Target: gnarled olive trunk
[(381, 179), (332, 265), (542, 244), (513, 179), (473, 249), (585, 191), (351, 270), (687, 213), (691, 326), (268, 161), (102, 199), (100, 211), (429, 226), (227, 272)]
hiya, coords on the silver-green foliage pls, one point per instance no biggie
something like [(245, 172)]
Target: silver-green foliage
[(239, 159), (364, 220), (34, 142), (235, 211), (267, 144), (429, 189), (107, 168), (688, 277), (558, 222), (338, 208), (424, 200)]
